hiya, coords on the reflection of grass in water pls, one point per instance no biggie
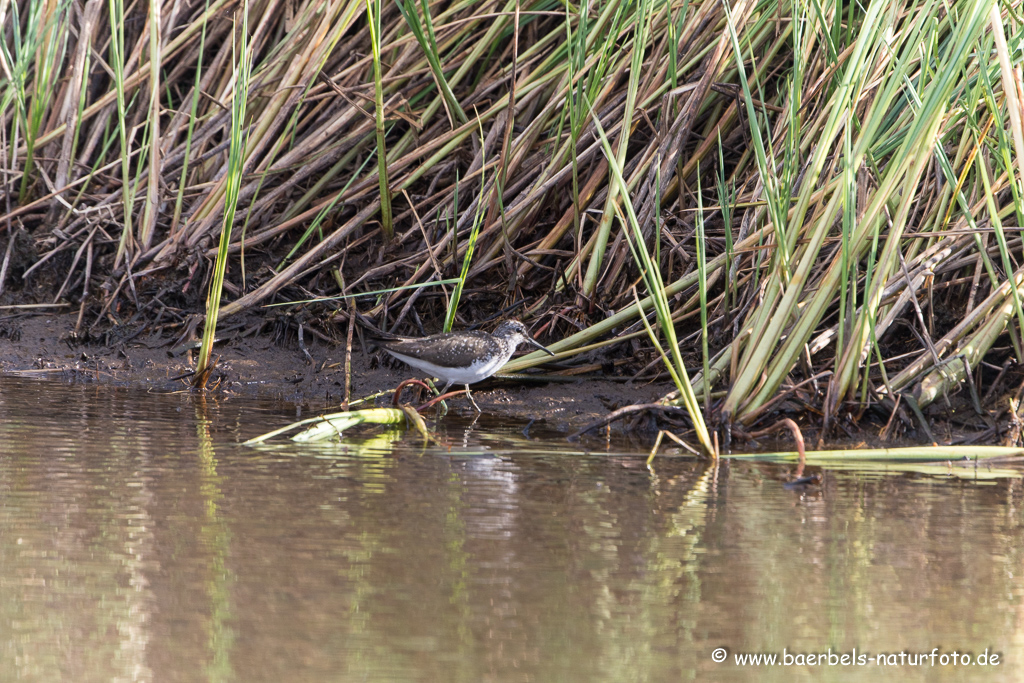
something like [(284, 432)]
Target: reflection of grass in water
[(675, 557), (215, 537), (458, 564)]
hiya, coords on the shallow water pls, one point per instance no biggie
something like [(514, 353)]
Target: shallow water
[(140, 541)]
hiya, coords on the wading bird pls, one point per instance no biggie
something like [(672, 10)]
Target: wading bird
[(462, 357)]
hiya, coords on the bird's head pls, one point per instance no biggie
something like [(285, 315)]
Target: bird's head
[(516, 332)]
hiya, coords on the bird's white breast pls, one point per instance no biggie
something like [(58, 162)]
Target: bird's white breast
[(476, 371)]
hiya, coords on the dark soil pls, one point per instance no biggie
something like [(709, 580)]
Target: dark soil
[(271, 365), (260, 355)]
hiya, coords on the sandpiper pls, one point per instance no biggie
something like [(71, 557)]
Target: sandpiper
[(462, 357)]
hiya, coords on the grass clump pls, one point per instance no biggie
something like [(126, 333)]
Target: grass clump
[(830, 195)]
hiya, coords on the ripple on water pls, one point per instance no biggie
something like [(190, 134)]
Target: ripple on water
[(138, 539)]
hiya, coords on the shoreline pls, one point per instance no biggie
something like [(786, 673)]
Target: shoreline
[(40, 344)]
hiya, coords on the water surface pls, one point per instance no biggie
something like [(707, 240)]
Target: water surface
[(139, 541)]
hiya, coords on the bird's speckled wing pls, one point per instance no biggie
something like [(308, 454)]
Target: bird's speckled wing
[(450, 350)]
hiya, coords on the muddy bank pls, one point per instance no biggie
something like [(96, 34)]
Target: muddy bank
[(261, 357), (273, 366)]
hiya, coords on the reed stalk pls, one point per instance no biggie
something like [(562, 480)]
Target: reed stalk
[(373, 17), (242, 75), (656, 288), (117, 46)]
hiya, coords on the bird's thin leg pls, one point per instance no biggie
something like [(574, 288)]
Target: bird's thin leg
[(470, 397)]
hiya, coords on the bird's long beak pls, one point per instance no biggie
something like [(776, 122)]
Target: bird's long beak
[(534, 342)]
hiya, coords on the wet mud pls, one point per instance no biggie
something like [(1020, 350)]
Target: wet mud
[(274, 366), (267, 360)]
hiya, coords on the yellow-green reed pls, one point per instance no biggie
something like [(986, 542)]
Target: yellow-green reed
[(373, 13), (656, 288), (236, 161)]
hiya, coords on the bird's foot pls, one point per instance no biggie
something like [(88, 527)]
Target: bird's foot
[(470, 397)]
